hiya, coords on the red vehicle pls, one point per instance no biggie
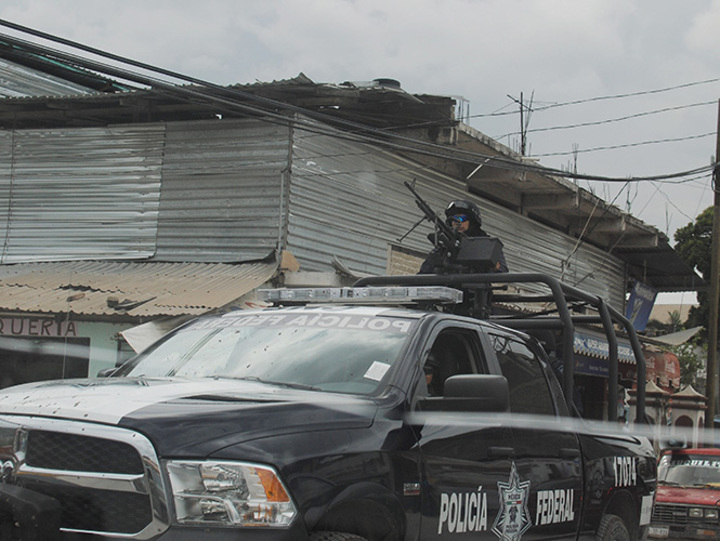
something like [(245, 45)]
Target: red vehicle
[(687, 504)]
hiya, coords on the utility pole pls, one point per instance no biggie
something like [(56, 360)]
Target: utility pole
[(523, 134), (712, 360)]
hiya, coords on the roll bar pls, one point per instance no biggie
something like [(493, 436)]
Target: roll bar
[(562, 295)]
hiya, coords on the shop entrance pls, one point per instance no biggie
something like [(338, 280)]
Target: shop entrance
[(592, 394), (23, 360)]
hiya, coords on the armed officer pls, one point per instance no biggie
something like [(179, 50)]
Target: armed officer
[(464, 217)]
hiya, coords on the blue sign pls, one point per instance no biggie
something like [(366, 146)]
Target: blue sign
[(640, 305), (591, 367), (599, 348)]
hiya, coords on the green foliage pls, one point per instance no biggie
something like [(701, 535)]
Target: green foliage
[(655, 327), (692, 359), (675, 320), (694, 244)]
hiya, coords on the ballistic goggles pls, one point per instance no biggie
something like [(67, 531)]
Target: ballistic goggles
[(458, 218)]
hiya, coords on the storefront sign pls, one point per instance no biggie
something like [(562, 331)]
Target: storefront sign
[(40, 327), (591, 366), (661, 367), (592, 353), (598, 347)]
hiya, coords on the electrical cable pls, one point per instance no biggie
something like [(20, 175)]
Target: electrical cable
[(603, 98), (268, 109), (611, 120), (630, 145), (197, 95), (587, 231), (201, 93)]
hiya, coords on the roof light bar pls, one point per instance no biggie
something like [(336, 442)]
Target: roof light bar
[(363, 295)]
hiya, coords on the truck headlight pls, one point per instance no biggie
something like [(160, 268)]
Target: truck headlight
[(695, 512), (228, 493), (13, 439)]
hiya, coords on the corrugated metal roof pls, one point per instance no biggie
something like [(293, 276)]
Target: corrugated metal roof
[(18, 81), (676, 338), (138, 289)]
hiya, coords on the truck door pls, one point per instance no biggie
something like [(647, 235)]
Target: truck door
[(465, 456), (547, 461)]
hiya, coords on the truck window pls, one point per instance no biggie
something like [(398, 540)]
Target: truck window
[(688, 469), (453, 352), (529, 391), (333, 352)]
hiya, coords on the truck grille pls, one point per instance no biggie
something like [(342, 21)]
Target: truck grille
[(673, 514), (55, 451), (94, 510), (106, 479)]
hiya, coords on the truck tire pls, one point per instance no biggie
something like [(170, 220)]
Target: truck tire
[(335, 536), (612, 528)]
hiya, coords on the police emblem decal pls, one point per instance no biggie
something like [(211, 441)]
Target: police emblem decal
[(513, 519)]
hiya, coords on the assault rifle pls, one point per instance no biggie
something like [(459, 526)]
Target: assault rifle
[(445, 237), (455, 252)]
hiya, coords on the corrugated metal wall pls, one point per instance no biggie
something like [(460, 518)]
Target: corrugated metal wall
[(222, 190), (226, 190), (80, 194), (348, 200), (5, 186), (71, 194)]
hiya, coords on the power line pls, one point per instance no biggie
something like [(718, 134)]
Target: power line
[(226, 98), (603, 98), (670, 201), (611, 120), (630, 145)]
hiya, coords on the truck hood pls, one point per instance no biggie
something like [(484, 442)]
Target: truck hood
[(190, 416), (690, 496)]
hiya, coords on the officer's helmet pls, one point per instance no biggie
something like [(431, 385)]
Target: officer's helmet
[(461, 206)]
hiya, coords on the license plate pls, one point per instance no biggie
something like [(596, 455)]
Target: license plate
[(658, 531)]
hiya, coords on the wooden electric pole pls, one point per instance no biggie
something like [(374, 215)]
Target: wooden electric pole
[(714, 287)]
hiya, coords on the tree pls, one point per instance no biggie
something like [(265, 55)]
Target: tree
[(691, 358), (675, 320), (693, 243), (655, 327)]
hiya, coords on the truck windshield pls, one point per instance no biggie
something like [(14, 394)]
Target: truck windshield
[(335, 352), (690, 471)]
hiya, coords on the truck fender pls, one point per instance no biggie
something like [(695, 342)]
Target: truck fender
[(366, 509), (622, 505)]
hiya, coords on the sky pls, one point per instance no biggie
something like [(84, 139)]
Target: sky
[(646, 73)]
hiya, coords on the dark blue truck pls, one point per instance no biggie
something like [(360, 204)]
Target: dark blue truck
[(369, 413)]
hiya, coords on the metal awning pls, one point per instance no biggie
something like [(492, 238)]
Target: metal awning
[(121, 288), (676, 338), (596, 345)]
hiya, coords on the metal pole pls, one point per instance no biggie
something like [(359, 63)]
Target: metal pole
[(712, 366)]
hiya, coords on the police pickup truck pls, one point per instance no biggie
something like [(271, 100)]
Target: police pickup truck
[(335, 415)]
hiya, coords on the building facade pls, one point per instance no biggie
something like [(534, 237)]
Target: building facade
[(118, 213)]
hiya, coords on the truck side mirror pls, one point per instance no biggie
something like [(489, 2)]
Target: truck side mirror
[(106, 372), (471, 393)]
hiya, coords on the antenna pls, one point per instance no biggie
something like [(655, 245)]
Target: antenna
[(524, 121)]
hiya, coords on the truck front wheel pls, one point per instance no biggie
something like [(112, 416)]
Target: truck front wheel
[(612, 528)]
